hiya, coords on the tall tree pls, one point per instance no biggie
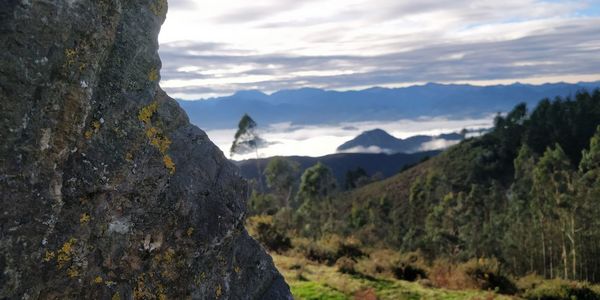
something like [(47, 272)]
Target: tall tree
[(314, 197), (553, 190), (281, 174), (247, 140)]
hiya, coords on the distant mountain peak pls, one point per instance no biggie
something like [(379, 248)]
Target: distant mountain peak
[(250, 94), (381, 140)]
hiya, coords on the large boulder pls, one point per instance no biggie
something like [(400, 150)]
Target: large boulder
[(107, 191)]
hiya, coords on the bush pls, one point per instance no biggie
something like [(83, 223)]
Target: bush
[(262, 204), (346, 265), (529, 281), (484, 274), (487, 275), (408, 272), (262, 228), (329, 249), (411, 266), (561, 289)]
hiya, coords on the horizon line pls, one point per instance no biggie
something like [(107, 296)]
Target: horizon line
[(478, 83)]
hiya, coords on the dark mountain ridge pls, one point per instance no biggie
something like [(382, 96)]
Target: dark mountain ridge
[(340, 163)]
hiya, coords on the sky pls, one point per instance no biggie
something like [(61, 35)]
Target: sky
[(216, 47)]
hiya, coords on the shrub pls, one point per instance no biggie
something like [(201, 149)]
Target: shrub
[(346, 265), (408, 272), (329, 249), (529, 282), (262, 204), (561, 289), (481, 273), (487, 275), (378, 262), (262, 228)]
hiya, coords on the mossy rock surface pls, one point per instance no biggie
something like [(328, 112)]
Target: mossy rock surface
[(107, 190)]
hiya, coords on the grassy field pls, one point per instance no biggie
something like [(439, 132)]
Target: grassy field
[(309, 280)]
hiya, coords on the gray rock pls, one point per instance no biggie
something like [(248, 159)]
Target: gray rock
[(107, 191)]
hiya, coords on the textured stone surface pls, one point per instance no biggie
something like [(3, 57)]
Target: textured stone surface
[(107, 191)]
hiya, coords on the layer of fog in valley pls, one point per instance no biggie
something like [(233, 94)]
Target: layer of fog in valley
[(287, 139)]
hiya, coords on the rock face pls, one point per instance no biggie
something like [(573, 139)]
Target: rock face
[(107, 191)]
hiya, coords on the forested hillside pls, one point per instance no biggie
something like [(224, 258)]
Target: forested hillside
[(526, 195)]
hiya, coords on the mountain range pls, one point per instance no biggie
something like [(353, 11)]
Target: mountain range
[(315, 106)]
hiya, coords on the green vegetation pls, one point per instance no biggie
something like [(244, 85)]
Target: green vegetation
[(518, 203)]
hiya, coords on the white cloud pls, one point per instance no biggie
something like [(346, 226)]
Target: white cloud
[(318, 140), (437, 144)]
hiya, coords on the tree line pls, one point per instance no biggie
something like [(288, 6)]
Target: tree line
[(527, 194)]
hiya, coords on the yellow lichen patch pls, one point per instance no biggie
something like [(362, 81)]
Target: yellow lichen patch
[(190, 231), (128, 156), (158, 140), (85, 217), (159, 7), (72, 272), (49, 255), (116, 296), (218, 291), (98, 280), (145, 114), (153, 74), (88, 134), (155, 135), (167, 263), (161, 295), (96, 125), (65, 253), (169, 164), (70, 56), (236, 269), (161, 143)]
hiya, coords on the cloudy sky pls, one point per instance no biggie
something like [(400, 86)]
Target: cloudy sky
[(216, 47)]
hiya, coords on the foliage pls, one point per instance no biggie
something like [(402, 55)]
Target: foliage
[(561, 289), (246, 139), (262, 228), (346, 265), (281, 175), (356, 178)]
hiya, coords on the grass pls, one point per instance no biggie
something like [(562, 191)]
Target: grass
[(310, 281)]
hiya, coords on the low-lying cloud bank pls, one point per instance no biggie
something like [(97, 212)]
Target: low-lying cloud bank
[(317, 140)]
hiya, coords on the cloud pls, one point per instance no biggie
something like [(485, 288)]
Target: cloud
[(312, 140), (438, 144), (217, 48), (370, 149)]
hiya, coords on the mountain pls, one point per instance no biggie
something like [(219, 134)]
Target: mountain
[(378, 140), (316, 106), (340, 163)]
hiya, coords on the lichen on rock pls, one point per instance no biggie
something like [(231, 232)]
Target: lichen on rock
[(108, 192)]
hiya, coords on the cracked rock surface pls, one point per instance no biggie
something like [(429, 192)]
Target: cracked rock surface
[(107, 190)]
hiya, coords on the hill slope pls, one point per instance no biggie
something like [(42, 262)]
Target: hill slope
[(495, 196), (386, 165)]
